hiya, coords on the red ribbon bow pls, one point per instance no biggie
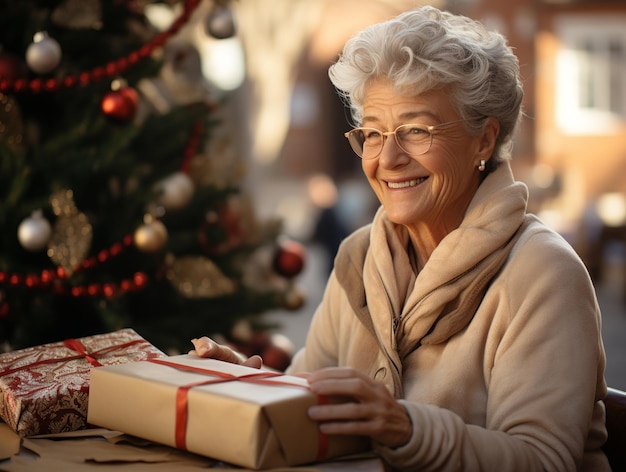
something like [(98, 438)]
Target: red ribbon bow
[(76, 345)]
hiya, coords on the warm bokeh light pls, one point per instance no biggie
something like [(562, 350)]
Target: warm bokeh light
[(611, 209)]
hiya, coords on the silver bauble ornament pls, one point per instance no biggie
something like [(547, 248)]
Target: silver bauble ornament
[(175, 191), (34, 232), (220, 23), (44, 54)]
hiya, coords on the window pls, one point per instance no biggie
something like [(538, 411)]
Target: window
[(591, 74)]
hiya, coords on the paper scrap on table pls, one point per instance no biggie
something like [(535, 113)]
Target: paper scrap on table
[(9, 442)]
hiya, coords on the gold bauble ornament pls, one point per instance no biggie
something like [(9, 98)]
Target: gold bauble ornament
[(151, 236), (294, 298)]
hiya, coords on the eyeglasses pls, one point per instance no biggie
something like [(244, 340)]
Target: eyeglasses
[(413, 139)]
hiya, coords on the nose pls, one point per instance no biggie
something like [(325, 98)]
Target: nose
[(392, 155)]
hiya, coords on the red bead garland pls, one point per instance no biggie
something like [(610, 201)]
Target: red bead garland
[(193, 144), (52, 278), (111, 69)]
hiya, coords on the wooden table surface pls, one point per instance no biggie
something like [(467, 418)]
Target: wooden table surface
[(105, 450)]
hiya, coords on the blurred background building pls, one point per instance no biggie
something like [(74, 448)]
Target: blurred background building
[(570, 149)]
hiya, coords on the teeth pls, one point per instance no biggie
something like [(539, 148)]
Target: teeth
[(407, 183)]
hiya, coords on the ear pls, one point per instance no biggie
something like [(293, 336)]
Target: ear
[(487, 141)]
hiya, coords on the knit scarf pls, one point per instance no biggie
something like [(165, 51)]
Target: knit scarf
[(441, 300)]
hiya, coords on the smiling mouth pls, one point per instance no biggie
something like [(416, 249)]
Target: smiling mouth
[(406, 183)]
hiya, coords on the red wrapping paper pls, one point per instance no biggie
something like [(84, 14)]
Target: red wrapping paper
[(45, 389)]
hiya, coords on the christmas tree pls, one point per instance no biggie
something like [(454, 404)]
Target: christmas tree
[(114, 205)]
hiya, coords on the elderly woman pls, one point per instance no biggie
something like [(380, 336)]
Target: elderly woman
[(466, 331)]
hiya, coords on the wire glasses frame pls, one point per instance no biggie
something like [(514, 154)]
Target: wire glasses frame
[(414, 139)]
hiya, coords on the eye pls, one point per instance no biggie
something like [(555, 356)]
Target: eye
[(414, 130), (371, 134)]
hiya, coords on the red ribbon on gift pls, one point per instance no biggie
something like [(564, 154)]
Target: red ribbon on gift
[(79, 347), (260, 377)]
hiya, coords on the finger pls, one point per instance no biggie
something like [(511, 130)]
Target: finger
[(385, 423), (206, 347), (254, 361), (357, 428), (338, 412), (350, 387), (201, 346)]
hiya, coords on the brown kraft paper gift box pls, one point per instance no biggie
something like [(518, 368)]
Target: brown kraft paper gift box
[(236, 414), (44, 389)]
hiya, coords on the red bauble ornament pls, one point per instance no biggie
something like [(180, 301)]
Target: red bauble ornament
[(222, 231), (289, 259), (278, 354), (4, 308), (249, 343), (120, 105), (12, 67)]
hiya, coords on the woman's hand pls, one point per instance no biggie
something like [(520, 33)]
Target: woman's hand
[(372, 412), (206, 347)]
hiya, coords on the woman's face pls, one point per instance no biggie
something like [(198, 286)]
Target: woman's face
[(430, 191)]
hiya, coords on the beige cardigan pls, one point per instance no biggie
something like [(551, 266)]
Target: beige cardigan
[(499, 359)]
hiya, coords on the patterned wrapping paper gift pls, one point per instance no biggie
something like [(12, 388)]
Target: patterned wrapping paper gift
[(242, 416), (45, 389)]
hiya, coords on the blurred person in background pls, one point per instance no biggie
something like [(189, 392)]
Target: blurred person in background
[(329, 229), (466, 331)]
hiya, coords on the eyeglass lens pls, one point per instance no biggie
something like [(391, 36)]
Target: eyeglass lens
[(368, 142)]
